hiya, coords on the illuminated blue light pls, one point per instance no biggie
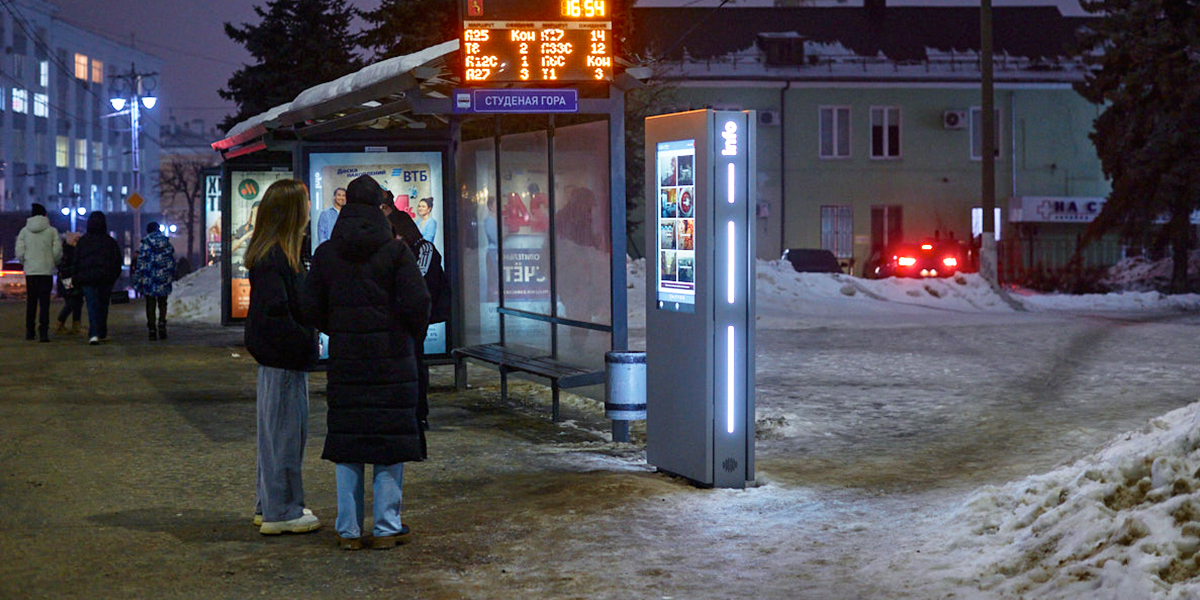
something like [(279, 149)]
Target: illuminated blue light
[(729, 379)]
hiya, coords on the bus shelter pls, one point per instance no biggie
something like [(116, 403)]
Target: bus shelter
[(524, 198)]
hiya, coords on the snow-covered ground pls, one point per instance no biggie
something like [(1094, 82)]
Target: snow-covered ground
[(937, 439)]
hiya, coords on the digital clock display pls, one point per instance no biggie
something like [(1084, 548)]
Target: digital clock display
[(506, 41)]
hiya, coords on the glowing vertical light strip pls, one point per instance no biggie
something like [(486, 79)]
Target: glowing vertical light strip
[(729, 192), (729, 376), (731, 267)]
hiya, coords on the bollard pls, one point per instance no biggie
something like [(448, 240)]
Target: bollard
[(625, 396)]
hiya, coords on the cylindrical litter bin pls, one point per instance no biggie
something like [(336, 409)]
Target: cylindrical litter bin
[(625, 396)]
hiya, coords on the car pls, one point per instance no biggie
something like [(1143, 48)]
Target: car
[(812, 260), (12, 280), (930, 258)]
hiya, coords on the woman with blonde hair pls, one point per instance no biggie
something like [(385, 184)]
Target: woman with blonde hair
[(286, 349)]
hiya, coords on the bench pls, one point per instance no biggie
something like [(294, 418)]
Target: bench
[(560, 375)]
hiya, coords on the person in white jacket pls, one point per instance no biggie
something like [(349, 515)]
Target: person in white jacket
[(39, 249)]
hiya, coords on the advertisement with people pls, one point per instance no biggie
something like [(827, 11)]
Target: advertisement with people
[(676, 251), (414, 182), (247, 189), (212, 218)]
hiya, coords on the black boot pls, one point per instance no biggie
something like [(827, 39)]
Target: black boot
[(153, 333), (162, 330)]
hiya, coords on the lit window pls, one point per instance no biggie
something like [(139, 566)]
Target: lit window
[(835, 131), (977, 133), (97, 71), (3, 104), (885, 132), (44, 73), (81, 66), (97, 155), (20, 101), (81, 154), (62, 152), (41, 105)]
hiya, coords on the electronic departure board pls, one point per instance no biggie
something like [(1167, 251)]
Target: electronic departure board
[(506, 41)]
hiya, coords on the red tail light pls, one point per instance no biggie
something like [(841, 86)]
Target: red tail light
[(950, 261), (906, 261)]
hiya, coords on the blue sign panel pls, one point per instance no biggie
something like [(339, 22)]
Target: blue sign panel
[(515, 101)]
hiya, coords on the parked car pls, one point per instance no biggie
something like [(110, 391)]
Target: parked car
[(812, 260), (929, 258), (12, 280)]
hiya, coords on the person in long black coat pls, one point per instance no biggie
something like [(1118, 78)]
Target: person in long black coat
[(364, 289), (97, 267)]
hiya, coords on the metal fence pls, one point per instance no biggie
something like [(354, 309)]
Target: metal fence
[(1019, 259)]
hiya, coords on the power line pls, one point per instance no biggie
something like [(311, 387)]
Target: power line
[(118, 37)]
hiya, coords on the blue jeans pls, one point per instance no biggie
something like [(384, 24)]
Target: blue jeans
[(389, 479), (97, 298), (282, 429)]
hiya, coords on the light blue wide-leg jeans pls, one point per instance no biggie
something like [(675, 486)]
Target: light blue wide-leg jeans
[(387, 488), (282, 432)]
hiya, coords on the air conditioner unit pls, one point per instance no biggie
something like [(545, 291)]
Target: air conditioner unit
[(954, 119), (768, 117)]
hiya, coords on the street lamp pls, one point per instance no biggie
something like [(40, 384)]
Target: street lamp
[(135, 90), (67, 211)]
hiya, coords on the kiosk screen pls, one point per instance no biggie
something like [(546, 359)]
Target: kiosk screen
[(676, 253)]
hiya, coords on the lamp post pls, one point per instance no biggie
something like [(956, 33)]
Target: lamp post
[(73, 211), (135, 90)]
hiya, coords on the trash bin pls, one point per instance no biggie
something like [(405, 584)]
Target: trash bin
[(625, 396)]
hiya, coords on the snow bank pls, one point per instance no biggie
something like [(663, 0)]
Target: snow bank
[(1122, 523), (1137, 273), (197, 297)]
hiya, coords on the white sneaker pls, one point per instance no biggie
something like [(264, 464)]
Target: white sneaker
[(94, 341), (258, 517), (301, 524)]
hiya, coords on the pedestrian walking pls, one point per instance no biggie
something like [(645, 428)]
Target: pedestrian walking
[(97, 267), (429, 261), (366, 292), (39, 249), (153, 276), (286, 349), (67, 290)]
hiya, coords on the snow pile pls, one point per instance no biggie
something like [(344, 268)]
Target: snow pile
[(1137, 273), (1121, 523), (197, 297)]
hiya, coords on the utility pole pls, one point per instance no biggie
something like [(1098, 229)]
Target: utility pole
[(135, 91), (987, 249)]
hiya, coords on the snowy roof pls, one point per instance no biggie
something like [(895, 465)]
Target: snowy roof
[(373, 74)]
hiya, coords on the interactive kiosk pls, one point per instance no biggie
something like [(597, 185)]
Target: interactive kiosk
[(700, 296)]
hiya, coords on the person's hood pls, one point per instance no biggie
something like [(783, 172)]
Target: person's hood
[(97, 223), (157, 240), (37, 223), (360, 231)]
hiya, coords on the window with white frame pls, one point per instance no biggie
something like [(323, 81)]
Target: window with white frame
[(81, 66), (44, 73), (97, 71), (20, 101), (835, 131), (97, 156), (837, 230), (81, 154), (62, 153), (885, 132), (41, 105), (977, 133)]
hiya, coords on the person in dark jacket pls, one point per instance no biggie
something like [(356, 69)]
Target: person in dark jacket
[(366, 292), (286, 349), (97, 267), (67, 290), (429, 261), (153, 276)]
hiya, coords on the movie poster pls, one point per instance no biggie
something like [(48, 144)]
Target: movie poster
[(415, 181), (675, 165), (248, 189)]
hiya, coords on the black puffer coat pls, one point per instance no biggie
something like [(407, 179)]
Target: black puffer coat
[(364, 289), (275, 336), (98, 258)]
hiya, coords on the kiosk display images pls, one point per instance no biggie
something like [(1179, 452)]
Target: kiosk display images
[(246, 190), (700, 304), (416, 181)]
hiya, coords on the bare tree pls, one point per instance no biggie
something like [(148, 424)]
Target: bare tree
[(181, 189)]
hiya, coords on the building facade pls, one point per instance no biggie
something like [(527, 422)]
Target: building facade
[(61, 142), (870, 121)]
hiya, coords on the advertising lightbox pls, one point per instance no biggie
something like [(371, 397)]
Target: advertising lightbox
[(246, 192)]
